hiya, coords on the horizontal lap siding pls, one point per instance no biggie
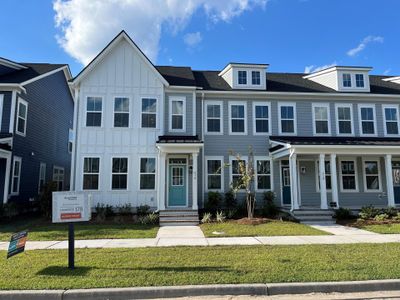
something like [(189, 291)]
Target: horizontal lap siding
[(5, 120)]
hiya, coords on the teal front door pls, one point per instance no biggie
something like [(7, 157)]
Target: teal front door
[(177, 185)]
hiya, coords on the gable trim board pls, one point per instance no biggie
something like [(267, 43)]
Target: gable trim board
[(11, 64)]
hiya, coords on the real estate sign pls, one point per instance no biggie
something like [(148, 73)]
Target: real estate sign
[(70, 207), (17, 243)]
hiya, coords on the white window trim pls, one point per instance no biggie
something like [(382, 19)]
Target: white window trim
[(83, 173), (177, 98), (317, 176), (141, 112), (247, 77), (231, 159), (360, 106), (230, 104), (1, 109), (377, 160), (355, 174), (256, 158), (355, 81), (20, 100), (323, 105), (102, 111), (293, 104), (221, 125), (384, 106), (337, 106), (40, 173), (119, 112), (268, 104), (251, 77), (19, 159), (155, 173), (221, 159), (59, 168), (112, 173), (351, 81)]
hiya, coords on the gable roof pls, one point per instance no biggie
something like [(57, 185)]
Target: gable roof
[(31, 71), (107, 49)]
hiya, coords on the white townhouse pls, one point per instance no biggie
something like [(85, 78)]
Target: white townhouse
[(161, 135)]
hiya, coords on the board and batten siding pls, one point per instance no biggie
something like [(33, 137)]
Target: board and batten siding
[(121, 73)]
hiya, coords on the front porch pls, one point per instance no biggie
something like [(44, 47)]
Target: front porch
[(325, 173)]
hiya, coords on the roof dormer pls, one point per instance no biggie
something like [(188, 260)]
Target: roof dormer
[(343, 79), (245, 76)]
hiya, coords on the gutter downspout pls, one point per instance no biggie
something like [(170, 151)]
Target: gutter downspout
[(202, 151), (75, 140)]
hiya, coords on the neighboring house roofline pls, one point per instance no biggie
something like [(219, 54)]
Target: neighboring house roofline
[(107, 49), (64, 68), (11, 64)]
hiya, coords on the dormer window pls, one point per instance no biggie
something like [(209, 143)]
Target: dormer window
[(346, 80), (360, 80), (255, 78), (242, 77)]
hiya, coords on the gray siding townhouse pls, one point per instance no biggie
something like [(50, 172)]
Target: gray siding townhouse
[(161, 135), (36, 114)]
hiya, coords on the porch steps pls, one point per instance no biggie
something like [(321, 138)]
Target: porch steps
[(179, 217), (314, 216)]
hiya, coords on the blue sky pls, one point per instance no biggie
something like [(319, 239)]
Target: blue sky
[(290, 35)]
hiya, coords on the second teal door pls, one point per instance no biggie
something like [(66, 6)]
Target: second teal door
[(177, 186)]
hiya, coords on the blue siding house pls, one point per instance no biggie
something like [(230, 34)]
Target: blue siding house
[(36, 116)]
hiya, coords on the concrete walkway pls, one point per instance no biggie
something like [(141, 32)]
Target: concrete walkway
[(193, 236)]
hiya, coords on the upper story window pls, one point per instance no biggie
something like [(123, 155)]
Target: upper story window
[(261, 118), (22, 115), (91, 171), (214, 116), (237, 114), (242, 77), (367, 120), (346, 80), (360, 80), (321, 119), (149, 113), (391, 118), (177, 114), (119, 173), (344, 125), (255, 77), (121, 112), (287, 118), (94, 108)]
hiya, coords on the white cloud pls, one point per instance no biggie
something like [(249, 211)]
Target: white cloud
[(87, 26), (363, 44), (192, 39), (313, 68)]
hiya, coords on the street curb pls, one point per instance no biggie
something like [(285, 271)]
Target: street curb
[(271, 289)]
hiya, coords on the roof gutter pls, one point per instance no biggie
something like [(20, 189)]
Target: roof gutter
[(12, 86)]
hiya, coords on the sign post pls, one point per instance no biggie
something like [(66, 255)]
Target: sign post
[(71, 207)]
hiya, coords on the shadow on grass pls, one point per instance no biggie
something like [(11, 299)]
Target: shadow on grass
[(64, 271)]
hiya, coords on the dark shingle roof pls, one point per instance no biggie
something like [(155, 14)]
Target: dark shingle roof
[(33, 70), (168, 139), (182, 76)]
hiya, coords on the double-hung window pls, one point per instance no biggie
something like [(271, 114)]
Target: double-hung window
[(348, 175), (177, 109), (214, 117), (261, 115), (237, 113), (42, 177), (346, 80), (121, 112), (147, 173), (321, 119), (119, 173), (372, 180), (263, 174), (328, 177), (237, 168), (91, 171), (149, 113), (367, 119), (214, 173), (22, 115), (287, 118), (242, 77), (391, 119), (58, 177), (344, 120), (16, 175), (94, 109), (360, 80), (255, 77)]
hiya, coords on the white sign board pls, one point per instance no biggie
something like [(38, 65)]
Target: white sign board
[(71, 207)]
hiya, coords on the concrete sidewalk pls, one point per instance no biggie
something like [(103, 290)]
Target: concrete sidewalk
[(193, 236)]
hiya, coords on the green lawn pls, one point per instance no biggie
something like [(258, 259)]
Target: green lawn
[(46, 231), (268, 229), (383, 228), (46, 269)]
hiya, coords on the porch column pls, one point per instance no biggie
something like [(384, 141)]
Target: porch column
[(389, 180), (161, 180), (322, 182), (293, 181), (334, 183), (7, 179), (195, 205)]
